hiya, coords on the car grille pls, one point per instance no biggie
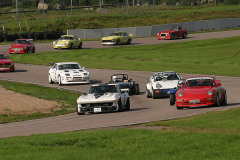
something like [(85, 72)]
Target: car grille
[(98, 104), (163, 34), (5, 65)]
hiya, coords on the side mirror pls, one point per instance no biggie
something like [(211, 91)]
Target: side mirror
[(219, 83), (130, 35), (83, 68), (84, 93)]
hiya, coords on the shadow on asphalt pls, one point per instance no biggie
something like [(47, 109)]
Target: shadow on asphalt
[(21, 70)]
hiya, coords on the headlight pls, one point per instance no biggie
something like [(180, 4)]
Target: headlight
[(24, 47), (209, 92), (158, 86), (11, 64), (180, 94), (85, 74)]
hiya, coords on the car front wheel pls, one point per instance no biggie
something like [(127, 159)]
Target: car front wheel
[(59, 80), (50, 79), (172, 99)]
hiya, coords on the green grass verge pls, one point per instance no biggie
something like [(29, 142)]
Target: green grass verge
[(211, 57), (66, 98), (132, 144)]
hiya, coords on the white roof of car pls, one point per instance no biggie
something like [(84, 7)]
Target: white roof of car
[(67, 63)]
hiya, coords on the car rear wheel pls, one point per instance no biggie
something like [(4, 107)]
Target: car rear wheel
[(172, 99), (137, 90), (13, 69)]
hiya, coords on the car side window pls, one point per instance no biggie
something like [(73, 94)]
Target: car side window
[(54, 66)]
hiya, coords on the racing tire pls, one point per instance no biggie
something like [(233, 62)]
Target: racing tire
[(137, 90), (129, 41), (120, 108), (80, 45), (173, 36), (71, 46), (33, 50), (128, 104), (218, 102), (172, 99), (59, 80), (118, 42), (29, 51), (154, 96), (178, 108), (50, 79), (80, 113), (184, 35), (13, 69), (225, 99), (148, 94)]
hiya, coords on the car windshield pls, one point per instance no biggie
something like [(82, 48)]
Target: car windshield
[(2, 56), (123, 85), (103, 89), (116, 34), (69, 66), (166, 76), (21, 42), (66, 38), (199, 82)]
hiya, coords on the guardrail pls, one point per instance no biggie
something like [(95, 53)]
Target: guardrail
[(146, 31)]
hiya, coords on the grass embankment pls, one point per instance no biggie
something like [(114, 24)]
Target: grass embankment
[(210, 57), (214, 136), (66, 98), (115, 17)]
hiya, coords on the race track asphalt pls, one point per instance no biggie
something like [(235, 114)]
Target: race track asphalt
[(142, 109)]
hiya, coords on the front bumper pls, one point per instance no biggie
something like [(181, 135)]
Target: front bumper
[(161, 92), (163, 37), (97, 107), (108, 42), (196, 102), (56, 46), (17, 50), (6, 68), (75, 80)]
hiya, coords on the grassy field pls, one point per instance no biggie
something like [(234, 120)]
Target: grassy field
[(211, 57), (66, 98), (114, 17), (214, 136)]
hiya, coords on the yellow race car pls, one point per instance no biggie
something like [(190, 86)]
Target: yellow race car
[(67, 41), (117, 38)]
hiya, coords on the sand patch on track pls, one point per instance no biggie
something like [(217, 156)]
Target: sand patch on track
[(16, 103)]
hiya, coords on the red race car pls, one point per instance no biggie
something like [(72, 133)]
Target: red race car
[(172, 33), (6, 64), (201, 91), (22, 46)]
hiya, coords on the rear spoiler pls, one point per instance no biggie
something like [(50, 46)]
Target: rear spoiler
[(51, 64)]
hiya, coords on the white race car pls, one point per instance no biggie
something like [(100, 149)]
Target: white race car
[(103, 98), (161, 83), (68, 73)]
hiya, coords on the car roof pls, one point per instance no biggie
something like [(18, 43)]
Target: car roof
[(67, 63), (165, 72), (25, 39), (200, 77)]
